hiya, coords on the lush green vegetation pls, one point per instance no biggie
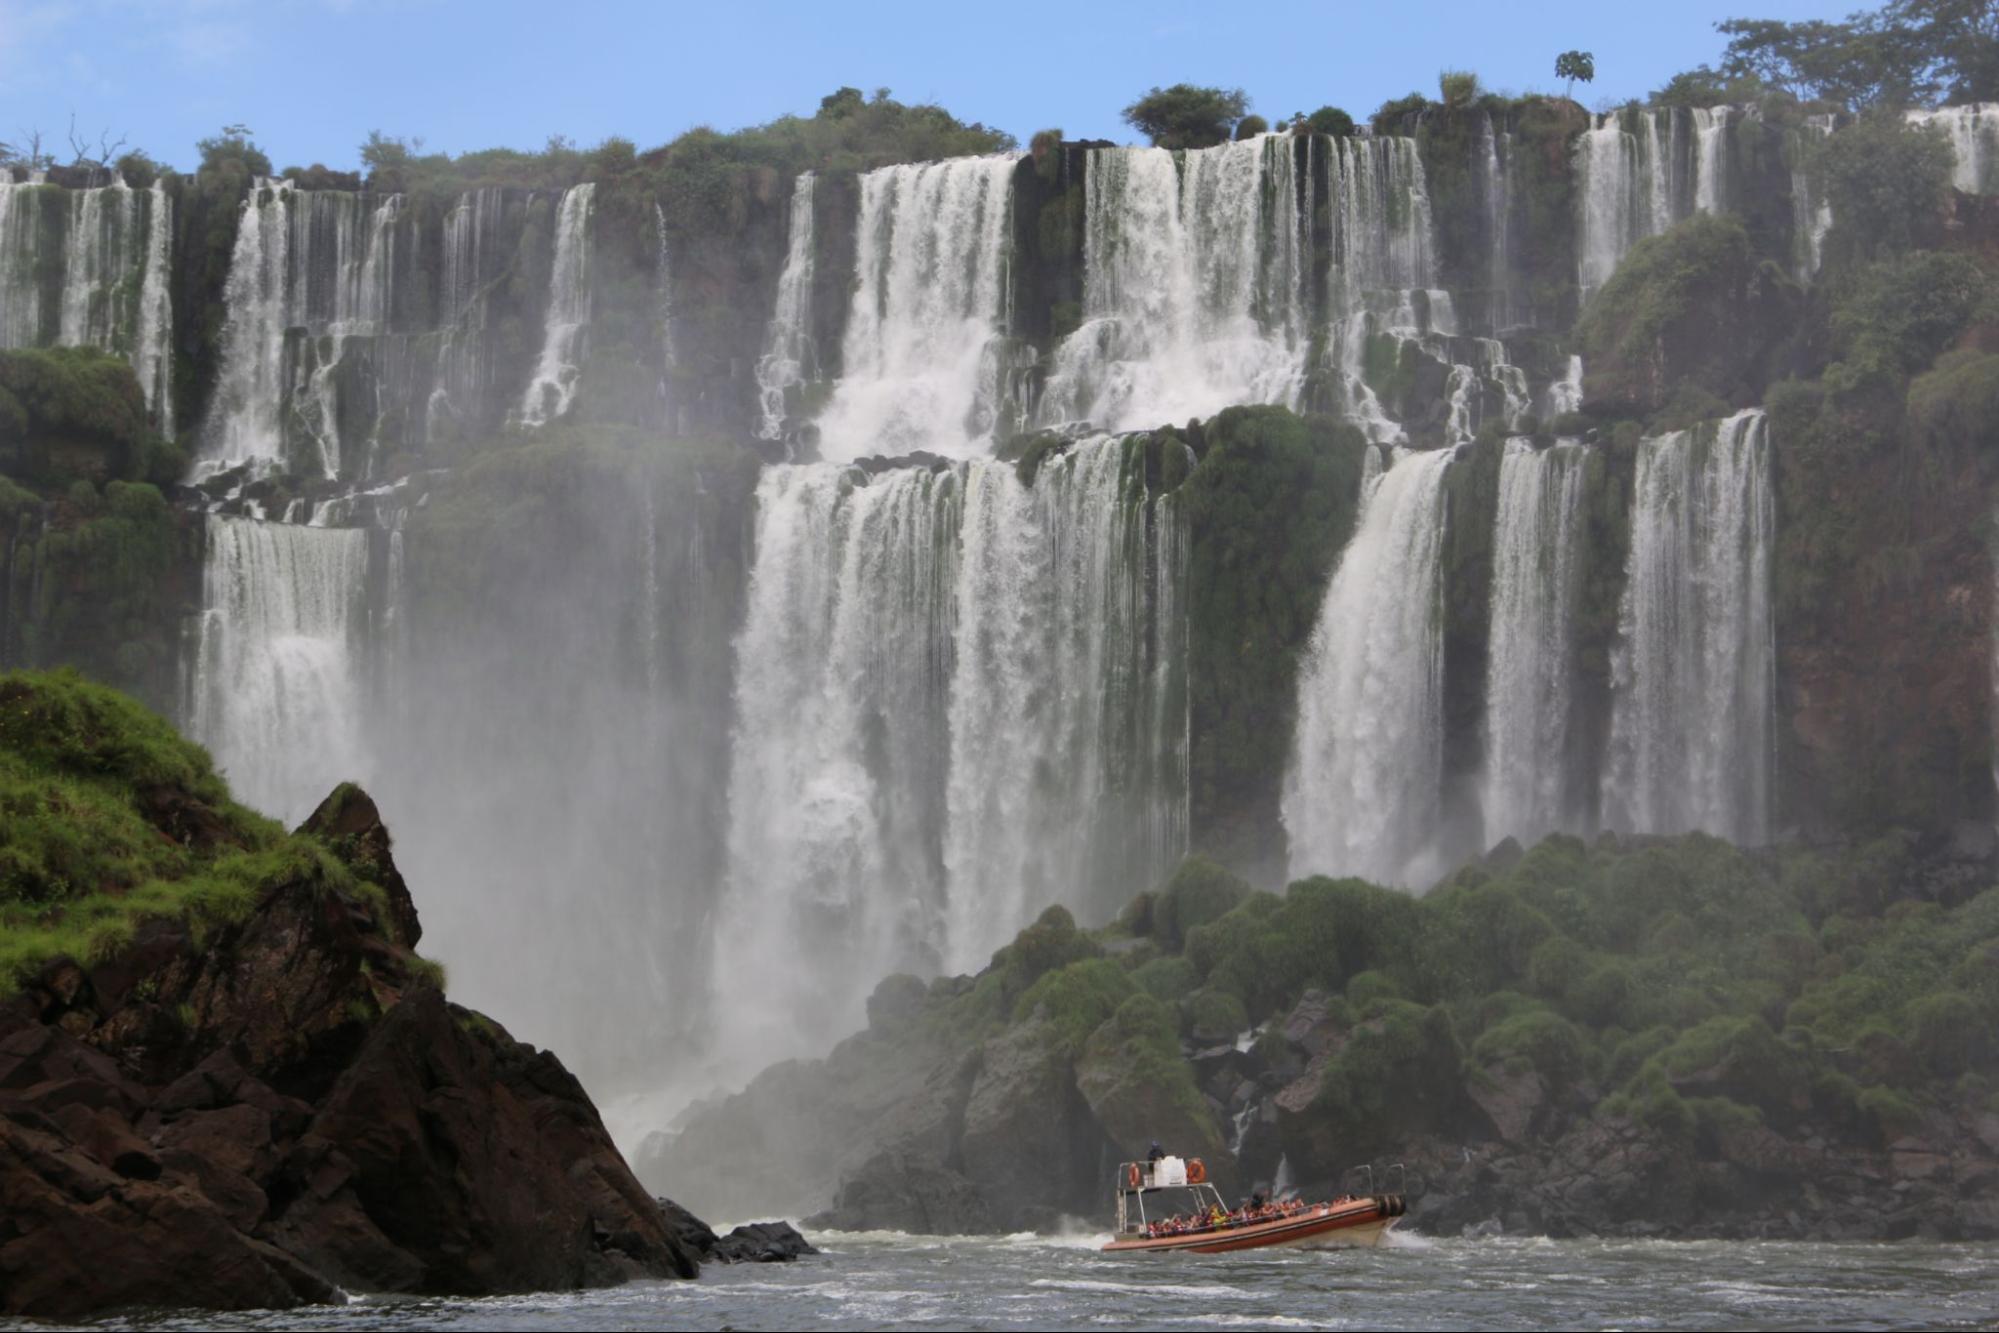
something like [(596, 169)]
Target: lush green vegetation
[(108, 817), (75, 413), (1187, 116), (1687, 323), (1904, 53), (1269, 505), (1680, 983), (95, 567)]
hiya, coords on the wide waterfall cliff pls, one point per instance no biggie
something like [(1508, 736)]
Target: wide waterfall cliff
[(736, 593)]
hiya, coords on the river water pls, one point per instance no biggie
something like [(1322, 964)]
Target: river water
[(880, 1280)]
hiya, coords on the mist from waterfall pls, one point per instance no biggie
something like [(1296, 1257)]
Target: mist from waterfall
[(1362, 791), (1692, 730)]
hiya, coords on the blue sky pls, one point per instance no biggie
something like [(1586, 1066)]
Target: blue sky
[(312, 77)]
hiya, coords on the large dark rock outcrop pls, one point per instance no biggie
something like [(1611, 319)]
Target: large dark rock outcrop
[(254, 1114)]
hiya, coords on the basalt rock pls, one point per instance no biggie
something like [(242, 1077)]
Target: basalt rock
[(288, 1105)]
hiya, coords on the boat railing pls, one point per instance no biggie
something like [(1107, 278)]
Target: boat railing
[(1361, 1181)]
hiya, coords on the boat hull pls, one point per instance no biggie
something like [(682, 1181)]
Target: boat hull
[(1360, 1224)]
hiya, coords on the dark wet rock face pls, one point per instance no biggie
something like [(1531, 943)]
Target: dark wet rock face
[(754, 1243), (288, 1105)]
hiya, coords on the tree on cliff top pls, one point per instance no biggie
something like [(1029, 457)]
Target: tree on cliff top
[(1573, 65), (1907, 52), (1186, 116)]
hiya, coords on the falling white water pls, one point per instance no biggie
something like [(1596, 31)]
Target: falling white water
[(95, 259), (1564, 395), (1811, 211), (113, 289), (1623, 189), (1362, 790), (152, 336), (321, 261), (921, 359), (1973, 131), (1380, 281), (20, 249), (1693, 673), (476, 256), (1711, 158), (787, 359), (558, 369), (838, 758), (1068, 731), (669, 350), (1503, 306), (1536, 578), (958, 700), (276, 687), (1193, 289)]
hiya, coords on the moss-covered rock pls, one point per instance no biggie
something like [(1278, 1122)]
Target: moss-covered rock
[(1691, 308)]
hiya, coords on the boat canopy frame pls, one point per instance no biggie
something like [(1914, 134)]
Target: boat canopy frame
[(1205, 1195)]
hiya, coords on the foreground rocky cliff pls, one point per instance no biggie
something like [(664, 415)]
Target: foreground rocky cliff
[(226, 1078), (1646, 1038)]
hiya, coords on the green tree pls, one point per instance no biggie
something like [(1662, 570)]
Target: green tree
[(1187, 116), (1574, 65), (1329, 120), (233, 144), (1457, 87), (1906, 52), (1251, 126), (1887, 182)]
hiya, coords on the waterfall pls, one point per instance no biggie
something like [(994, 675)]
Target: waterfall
[(1711, 158), (1811, 211), (557, 370), (1624, 190), (112, 292), (1194, 286), (1361, 794), (20, 249), (477, 240), (1497, 168), (1564, 395), (1536, 577), (1383, 254), (1973, 132), (959, 699), (276, 687), (1067, 726), (152, 338), (669, 351), (1693, 674), (838, 760), (920, 359), (787, 359), (320, 261)]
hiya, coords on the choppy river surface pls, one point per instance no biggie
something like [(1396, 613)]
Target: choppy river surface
[(893, 1281)]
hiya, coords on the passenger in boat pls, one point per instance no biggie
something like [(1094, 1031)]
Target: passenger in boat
[(1156, 1153)]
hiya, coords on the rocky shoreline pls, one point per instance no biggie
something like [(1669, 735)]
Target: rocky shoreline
[(264, 1113)]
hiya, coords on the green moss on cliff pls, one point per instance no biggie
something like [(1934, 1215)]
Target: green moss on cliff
[(1269, 504), (108, 818), (1689, 309)]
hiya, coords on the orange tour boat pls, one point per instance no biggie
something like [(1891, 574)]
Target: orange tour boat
[(1187, 1213)]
